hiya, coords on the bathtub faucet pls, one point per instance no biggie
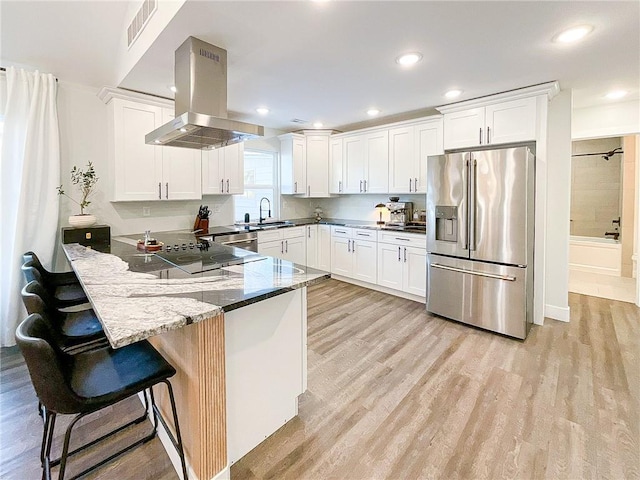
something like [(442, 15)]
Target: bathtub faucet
[(615, 235)]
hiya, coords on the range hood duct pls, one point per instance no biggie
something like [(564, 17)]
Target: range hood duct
[(201, 102)]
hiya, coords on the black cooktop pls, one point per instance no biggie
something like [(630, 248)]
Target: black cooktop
[(194, 255)]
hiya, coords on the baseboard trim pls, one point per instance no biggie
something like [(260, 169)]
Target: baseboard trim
[(378, 288), (557, 313)]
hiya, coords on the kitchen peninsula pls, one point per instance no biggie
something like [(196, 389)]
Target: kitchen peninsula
[(236, 335)]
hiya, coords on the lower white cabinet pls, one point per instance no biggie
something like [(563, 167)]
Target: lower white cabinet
[(353, 253), (402, 262), (318, 246), (285, 243)]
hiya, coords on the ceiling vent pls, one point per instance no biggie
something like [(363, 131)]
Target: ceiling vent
[(140, 20), (297, 120)]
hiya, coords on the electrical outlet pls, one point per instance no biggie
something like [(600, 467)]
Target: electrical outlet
[(216, 208), (146, 211)]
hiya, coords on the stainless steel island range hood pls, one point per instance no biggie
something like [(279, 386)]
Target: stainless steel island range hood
[(201, 102)]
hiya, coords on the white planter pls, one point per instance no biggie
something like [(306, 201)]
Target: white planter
[(82, 221)]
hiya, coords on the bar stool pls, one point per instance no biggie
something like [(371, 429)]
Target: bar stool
[(90, 381), (64, 294), (72, 331)]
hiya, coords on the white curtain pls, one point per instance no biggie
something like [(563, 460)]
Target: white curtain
[(30, 173)]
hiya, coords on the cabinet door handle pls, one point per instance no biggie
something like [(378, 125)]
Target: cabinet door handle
[(309, 190), (227, 185), (405, 254), (488, 134), (415, 184), (399, 253), (340, 186), (159, 190), (286, 246), (480, 135), (166, 195), (365, 186), (348, 245), (309, 231), (360, 186), (409, 185), (281, 246), (295, 187), (353, 246), (222, 186)]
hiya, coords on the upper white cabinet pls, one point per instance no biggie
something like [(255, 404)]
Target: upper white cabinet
[(147, 172), (335, 165), (181, 169), (223, 170), (365, 160), (409, 147), (496, 123), (304, 163)]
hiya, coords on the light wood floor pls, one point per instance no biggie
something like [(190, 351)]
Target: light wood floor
[(395, 393)]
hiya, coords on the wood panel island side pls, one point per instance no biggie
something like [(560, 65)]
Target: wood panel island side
[(236, 335)]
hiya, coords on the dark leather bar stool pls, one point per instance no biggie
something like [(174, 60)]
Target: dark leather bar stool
[(64, 294), (87, 382), (72, 331)]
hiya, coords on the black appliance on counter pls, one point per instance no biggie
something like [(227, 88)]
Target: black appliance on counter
[(98, 237)]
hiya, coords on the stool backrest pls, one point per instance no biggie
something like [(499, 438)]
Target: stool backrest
[(47, 365), (31, 273), (36, 299)]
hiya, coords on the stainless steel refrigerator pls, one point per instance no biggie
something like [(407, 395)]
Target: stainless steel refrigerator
[(480, 212)]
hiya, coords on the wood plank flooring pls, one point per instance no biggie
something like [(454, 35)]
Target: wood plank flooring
[(395, 393)]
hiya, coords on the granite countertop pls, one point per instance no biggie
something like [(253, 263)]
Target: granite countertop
[(296, 222), (137, 295)]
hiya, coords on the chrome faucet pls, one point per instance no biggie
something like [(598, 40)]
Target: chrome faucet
[(262, 219)]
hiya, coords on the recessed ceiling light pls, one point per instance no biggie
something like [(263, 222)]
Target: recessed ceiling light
[(408, 59), (318, 125), (262, 110), (453, 93), (157, 141), (173, 88), (183, 130), (573, 34), (616, 94), (372, 112)]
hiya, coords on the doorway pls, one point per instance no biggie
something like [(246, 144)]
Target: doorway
[(603, 218)]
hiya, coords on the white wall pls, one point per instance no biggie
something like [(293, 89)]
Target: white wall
[(558, 207), (614, 119)]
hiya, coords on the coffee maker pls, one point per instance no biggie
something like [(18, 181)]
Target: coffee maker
[(400, 213)]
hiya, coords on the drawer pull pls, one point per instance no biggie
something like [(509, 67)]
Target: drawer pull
[(403, 239), (508, 278)]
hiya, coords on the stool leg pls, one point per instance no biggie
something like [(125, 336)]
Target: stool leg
[(47, 440), (179, 446), (65, 448)]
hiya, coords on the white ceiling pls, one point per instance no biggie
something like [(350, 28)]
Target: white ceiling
[(331, 61)]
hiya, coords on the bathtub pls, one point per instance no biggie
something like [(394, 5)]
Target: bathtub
[(595, 255)]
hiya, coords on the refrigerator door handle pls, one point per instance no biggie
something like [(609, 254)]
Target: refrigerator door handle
[(507, 278), (464, 210), (472, 204)]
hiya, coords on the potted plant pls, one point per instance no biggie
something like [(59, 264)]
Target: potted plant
[(84, 181)]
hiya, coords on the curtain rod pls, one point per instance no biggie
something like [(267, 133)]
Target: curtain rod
[(3, 69)]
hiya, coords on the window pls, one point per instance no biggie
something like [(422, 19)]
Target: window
[(260, 180)]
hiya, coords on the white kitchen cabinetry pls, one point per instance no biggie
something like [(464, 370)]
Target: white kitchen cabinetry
[(223, 170), (409, 147), (147, 172), (366, 163), (335, 165), (353, 253), (500, 122), (402, 262), (318, 246), (285, 243), (305, 163)]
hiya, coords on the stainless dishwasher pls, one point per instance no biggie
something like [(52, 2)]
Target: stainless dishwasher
[(246, 240)]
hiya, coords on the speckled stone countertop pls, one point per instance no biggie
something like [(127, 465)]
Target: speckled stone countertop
[(138, 295)]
